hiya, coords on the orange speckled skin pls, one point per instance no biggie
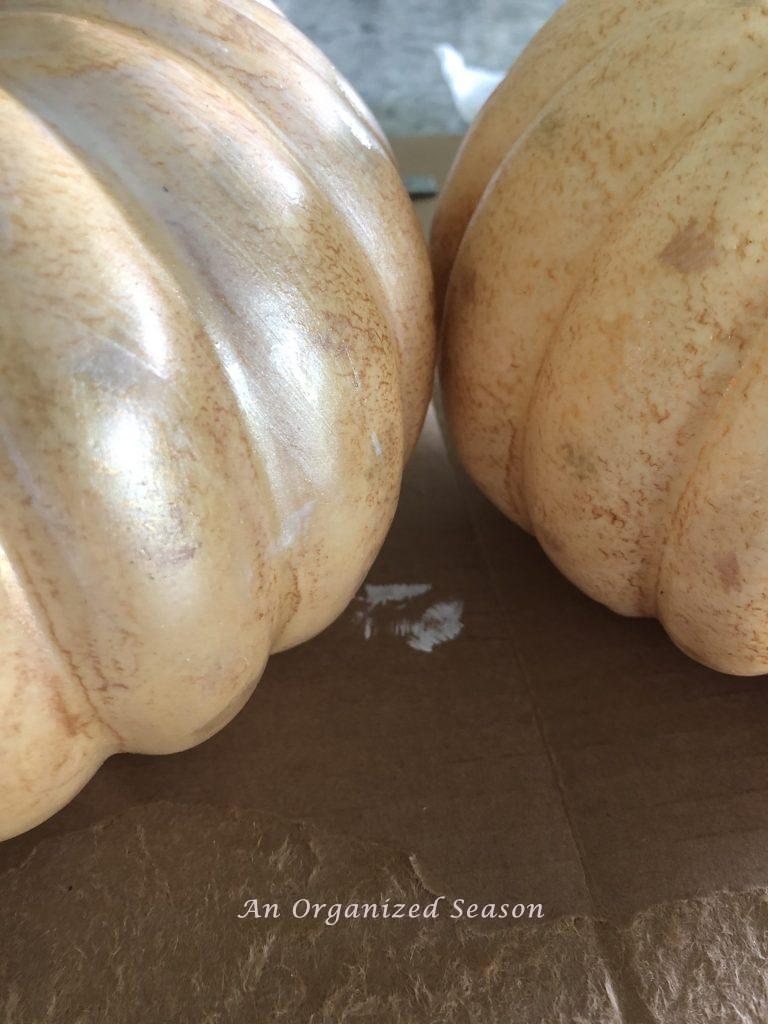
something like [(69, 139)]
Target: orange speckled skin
[(602, 250), (216, 350)]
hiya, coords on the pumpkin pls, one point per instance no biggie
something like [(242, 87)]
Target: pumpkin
[(602, 246), (216, 353)]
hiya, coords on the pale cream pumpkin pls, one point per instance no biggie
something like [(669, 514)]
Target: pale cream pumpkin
[(603, 239), (215, 354)]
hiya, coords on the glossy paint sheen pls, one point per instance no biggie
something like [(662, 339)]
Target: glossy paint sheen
[(215, 354), (602, 245)]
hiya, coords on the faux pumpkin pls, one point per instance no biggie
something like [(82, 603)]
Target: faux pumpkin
[(216, 352), (603, 246)]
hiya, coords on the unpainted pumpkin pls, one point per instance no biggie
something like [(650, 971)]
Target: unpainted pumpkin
[(602, 245), (216, 352)]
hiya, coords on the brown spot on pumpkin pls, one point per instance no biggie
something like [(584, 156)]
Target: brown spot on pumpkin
[(728, 571), (549, 126), (578, 461), (691, 249)]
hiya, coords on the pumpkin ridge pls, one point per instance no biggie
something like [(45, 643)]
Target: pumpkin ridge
[(475, 435), (340, 196), (528, 61), (44, 621), (740, 631), (300, 48), (265, 496), (673, 157), (705, 412), (404, 333), (443, 269), (319, 66), (171, 269), (288, 591), (708, 432)]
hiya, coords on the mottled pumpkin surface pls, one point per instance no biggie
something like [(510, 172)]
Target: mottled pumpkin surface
[(602, 250), (215, 354)]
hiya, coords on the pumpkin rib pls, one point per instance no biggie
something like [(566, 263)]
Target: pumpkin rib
[(713, 415), (712, 364), (619, 230), (146, 38), (343, 198), (59, 756), (288, 37), (130, 223), (711, 428), (710, 597), (303, 49), (489, 203), (99, 680), (299, 45), (546, 50), (411, 319), (196, 68), (289, 591), (412, 323), (35, 603), (65, 736)]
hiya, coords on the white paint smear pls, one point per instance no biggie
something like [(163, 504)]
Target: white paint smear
[(385, 608), (393, 593), (439, 623)]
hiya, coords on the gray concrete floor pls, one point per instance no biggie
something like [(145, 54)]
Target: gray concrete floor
[(386, 49)]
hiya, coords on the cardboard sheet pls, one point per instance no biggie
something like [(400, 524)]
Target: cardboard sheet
[(472, 728)]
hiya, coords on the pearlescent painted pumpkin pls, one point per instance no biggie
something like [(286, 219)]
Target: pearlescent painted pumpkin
[(602, 244), (216, 352)]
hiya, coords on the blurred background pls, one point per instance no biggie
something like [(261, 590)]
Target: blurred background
[(386, 48)]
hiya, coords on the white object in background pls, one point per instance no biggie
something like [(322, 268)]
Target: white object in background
[(470, 86)]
